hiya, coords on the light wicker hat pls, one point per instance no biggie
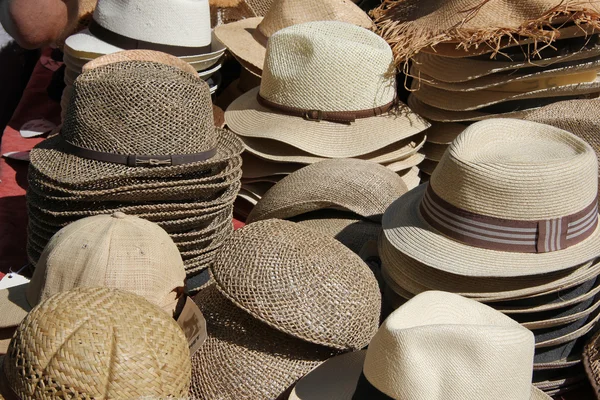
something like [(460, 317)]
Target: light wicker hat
[(116, 251), (420, 352), (247, 39), (326, 71), (96, 343), (300, 282), (361, 187), (539, 188)]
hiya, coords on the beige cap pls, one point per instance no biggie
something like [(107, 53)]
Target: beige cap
[(116, 251)]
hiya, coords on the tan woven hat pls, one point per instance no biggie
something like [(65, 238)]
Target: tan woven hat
[(503, 204), (591, 362), (247, 39), (300, 282), (96, 343), (115, 251), (308, 82), (437, 346), (444, 133), (362, 187), (476, 23), (434, 151)]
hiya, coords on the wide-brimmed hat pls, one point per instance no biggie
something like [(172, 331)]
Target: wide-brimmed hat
[(116, 251), (415, 355), (333, 96), (117, 337), (522, 205), (247, 38), (361, 187)]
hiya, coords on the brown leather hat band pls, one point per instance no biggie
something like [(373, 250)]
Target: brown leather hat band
[(127, 43), (135, 160), (331, 116)]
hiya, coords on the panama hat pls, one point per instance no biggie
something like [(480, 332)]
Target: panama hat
[(527, 193), (117, 337), (362, 187), (117, 251), (247, 38), (356, 89), (419, 353)]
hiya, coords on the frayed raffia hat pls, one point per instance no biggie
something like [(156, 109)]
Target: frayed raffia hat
[(503, 203), (361, 187), (116, 251), (300, 282), (420, 352), (409, 27), (334, 82), (247, 39), (128, 348)]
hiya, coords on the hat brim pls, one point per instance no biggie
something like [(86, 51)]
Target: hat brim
[(406, 163), (240, 38), (246, 117), (336, 379), (410, 177), (406, 230), (14, 306)]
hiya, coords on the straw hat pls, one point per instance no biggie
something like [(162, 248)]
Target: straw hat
[(591, 362), (420, 352), (553, 188), (116, 251), (79, 330), (444, 133), (247, 39), (268, 267), (362, 187), (138, 55), (326, 84), (434, 151)]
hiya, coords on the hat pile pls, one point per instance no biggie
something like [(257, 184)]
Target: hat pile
[(165, 162), (284, 300), (476, 60), (510, 219), (96, 343), (328, 90), (181, 28), (342, 198)]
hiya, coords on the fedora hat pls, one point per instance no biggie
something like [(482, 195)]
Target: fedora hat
[(415, 354), (116, 337), (116, 251), (554, 201), (361, 187), (247, 38), (475, 24), (356, 89)]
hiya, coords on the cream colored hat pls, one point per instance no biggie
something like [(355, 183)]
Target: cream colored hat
[(247, 39), (361, 187), (115, 251), (436, 346), (509, 198), (332, 81)]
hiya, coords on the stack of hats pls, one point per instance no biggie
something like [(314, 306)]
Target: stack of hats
[(439, 137), (96, 343), (510, 219), (139, 137), (343, 198), (284, 300), (473, 60), (181, 28), (328, 90)]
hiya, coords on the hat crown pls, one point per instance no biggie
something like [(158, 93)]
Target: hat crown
[(117, 338), (172, 22), (517, 170), (284, 13), (442, 346), (328, 66), (117, 251), (140, 107)]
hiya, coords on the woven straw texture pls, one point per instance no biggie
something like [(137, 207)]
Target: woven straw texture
[(409, 26), (362, 187), (591, 362), (260, 7), (243, 358), (300, 282), (141, 55), (98, 343)]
